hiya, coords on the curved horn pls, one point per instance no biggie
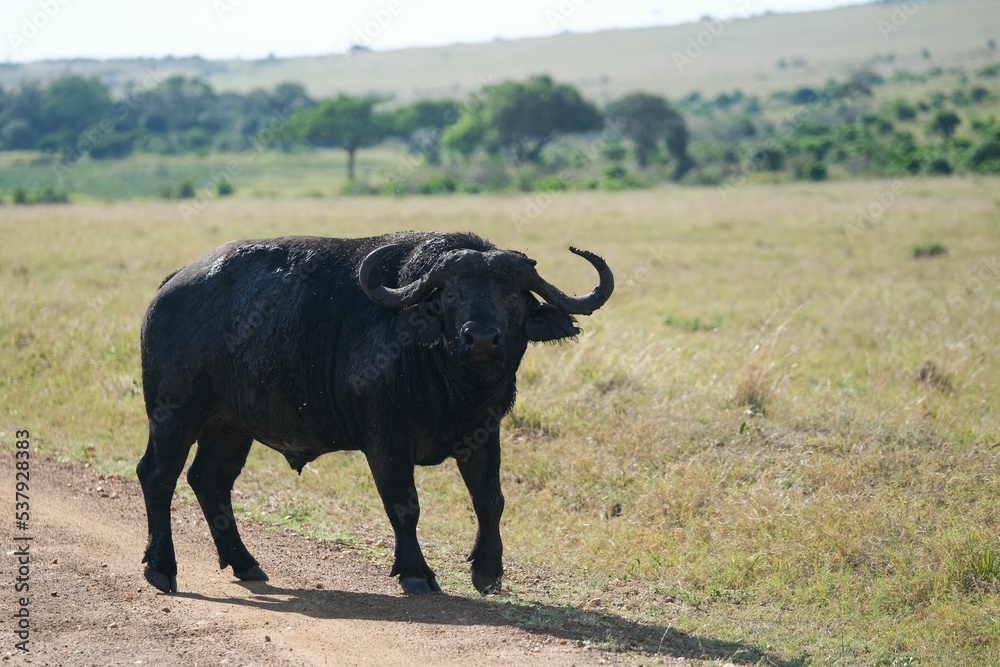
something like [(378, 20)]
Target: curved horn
[(407, 295), (578, 305)]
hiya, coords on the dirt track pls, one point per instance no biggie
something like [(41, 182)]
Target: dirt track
[(323, 606)]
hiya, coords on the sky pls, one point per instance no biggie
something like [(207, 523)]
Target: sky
[(251, 29)]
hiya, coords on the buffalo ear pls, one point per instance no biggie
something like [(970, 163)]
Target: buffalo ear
[(422, 321), (548, 323)]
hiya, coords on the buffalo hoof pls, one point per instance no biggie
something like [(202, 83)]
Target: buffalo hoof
[(486, 585), (165, 582), (252, 574), (419, 585)]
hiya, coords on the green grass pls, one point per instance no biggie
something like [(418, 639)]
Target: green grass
[(781, 435), (314, 173)]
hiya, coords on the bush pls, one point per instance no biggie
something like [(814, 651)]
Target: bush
[(985, 157), (224, 188), (768, 159), (550, 182), (816, 171), (929, 250), (186, 189), (903, 110), (47, 195), (438, 184), (939, 166)]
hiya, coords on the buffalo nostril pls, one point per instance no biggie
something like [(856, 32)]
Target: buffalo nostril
[(480, 339)]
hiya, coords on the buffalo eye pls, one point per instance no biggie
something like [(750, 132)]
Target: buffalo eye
[(512, 299), (450, 295)]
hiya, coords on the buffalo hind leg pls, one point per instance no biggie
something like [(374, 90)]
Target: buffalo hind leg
[(222, 453), (158, 470), (394, 480)]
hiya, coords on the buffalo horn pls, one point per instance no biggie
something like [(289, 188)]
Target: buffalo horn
[(577, 305), (407, 295)]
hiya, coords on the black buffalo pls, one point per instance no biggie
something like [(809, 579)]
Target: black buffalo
[(403, 346)]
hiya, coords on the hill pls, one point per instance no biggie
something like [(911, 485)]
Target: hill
[(758, 55)]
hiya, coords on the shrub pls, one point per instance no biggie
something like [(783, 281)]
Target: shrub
[(49, 195), (816, 171), (438, 184), (186, 189), (929, 250), (939, 166), (224, 188), (985, 157), (550, 182)]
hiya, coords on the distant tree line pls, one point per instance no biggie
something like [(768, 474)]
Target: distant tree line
[(75, 117), (528, 125)]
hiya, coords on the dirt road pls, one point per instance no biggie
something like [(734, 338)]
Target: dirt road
[(90, 605)]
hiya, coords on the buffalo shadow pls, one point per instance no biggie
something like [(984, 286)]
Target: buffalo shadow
[(604, 630)]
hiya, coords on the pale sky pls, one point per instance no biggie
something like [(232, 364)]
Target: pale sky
[(214, 29)]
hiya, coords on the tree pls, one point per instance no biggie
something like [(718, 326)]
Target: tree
[(521, 118), (644, 119), (945, 123), (19, 124), (73, 104), (422, 123), (677, 143), (342, 122)]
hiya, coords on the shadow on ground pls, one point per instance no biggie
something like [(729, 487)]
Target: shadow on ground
[(604, 630)]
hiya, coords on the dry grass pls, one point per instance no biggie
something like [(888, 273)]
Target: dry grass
[(817, 471)]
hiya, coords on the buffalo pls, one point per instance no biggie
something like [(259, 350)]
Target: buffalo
[(403, 346)]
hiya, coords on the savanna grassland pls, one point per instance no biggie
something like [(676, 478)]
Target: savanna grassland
[(782, 435)]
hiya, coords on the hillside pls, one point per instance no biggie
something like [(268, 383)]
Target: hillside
[(760, 54)]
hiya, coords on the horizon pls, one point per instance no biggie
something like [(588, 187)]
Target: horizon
[(54, 30)]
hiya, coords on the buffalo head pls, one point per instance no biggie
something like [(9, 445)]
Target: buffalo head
[(482, 305)]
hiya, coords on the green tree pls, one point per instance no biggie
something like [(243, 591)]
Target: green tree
[(422, 123), (945, 123), (468, 133), (342, 122), (520, 118), (73, 104), (677, 144), (645, 120)]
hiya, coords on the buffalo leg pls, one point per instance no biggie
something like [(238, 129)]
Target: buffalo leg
[(480, 468), (394, 480), (158, 470), (221, 456)]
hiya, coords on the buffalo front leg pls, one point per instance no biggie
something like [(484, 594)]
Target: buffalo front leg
[(480, 468), (394, 480)]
